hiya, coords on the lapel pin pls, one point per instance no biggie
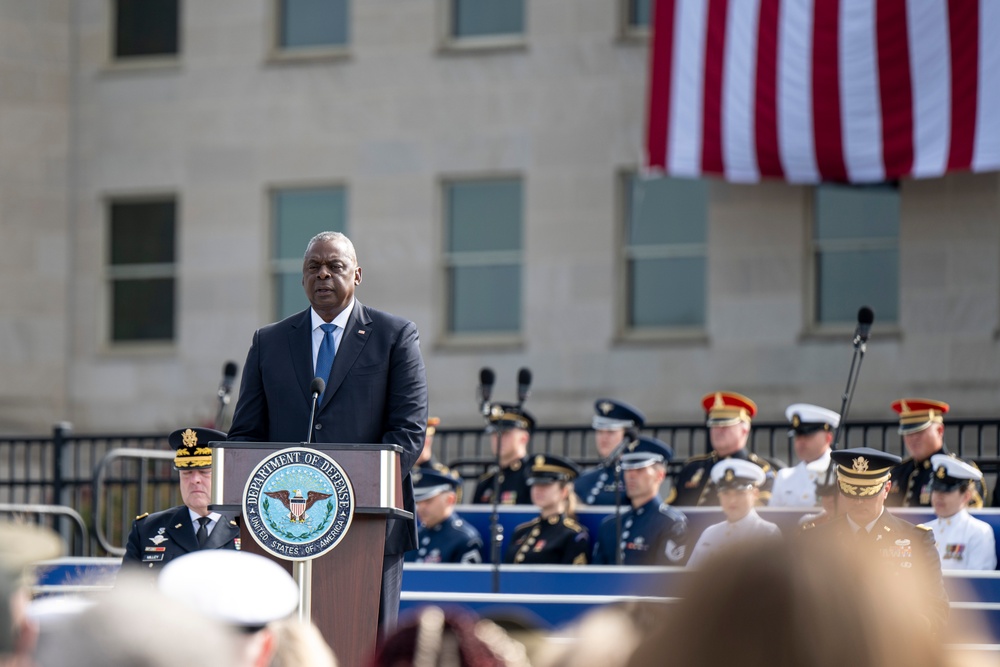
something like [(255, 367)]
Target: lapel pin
[(177, 526), (361, 331)]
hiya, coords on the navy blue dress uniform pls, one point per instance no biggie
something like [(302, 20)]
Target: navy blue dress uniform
[(912, 479), (156, 539), (693, 486), (597, 486), (450, 541), (652, 534), (554, 540), (513, 478), (907, 549)]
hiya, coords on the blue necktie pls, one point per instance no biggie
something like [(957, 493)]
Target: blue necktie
[(324, 360)]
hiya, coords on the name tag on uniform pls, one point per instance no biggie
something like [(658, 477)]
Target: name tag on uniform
[(149, 558)]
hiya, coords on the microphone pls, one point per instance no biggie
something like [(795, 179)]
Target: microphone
[(228, 376), (486, 379), (316, 387), (865, 318), (523, 385)]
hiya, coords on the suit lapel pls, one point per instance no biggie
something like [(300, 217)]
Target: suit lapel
[(181, 530), (299, 339), (223, 533), (356, 334)]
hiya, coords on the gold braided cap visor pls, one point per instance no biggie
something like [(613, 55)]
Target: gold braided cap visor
[(727, 416), (853, 483), (914, 422)]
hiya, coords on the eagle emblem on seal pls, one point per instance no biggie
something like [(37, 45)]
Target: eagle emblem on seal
[(296, 503)]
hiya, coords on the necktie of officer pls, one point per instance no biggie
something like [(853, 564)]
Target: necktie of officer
[(203, 530), (324, 360)]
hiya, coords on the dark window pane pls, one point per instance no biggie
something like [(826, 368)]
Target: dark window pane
[(289, 296), (142, 232), (301, 214), (307, 23), (142, 310), (666, 210), (485, 298), (484, 216), (851, 279), (857, 212), (639, 13), (667, 292), (476, 18), (146, 27)]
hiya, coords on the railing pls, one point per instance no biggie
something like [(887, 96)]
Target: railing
[(66, 469)]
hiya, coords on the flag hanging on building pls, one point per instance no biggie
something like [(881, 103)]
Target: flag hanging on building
[(853, 91)]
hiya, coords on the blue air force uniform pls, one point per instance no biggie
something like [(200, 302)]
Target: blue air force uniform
[(653, 533), (597, 486), (156, 539), (451, 541)]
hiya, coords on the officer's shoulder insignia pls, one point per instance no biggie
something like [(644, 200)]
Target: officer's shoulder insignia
[(142, 516), (923, 527), (698, 457), (528, 524), (573, 525), (485, 476)]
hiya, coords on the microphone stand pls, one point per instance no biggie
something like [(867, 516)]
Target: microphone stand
[(616, 459), (496, 528), (845, 403), (223, 402)]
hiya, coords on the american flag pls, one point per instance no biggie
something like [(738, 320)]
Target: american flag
[(824, 90)]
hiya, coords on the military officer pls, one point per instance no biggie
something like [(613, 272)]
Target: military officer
[(442, 535), (728, 420), (510, 429), (651, 532), (963, 541), (738, 484), (866, 527), (554, 536), (614, 421), (812, 428), (158, 538), (921, 423)]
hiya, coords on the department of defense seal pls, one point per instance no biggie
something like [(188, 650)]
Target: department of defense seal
[(298, 503)]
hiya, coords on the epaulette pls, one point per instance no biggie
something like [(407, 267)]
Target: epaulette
[(486, 475), (528, 524), (764, 465), (573, 525), (142, 516), (923, 527), (698, 457)]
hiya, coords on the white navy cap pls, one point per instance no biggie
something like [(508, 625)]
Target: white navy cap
[(951, 473), (737, 473), (806, 418), (235, 587)]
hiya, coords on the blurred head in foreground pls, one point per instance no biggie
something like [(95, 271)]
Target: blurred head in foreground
[(435, 637), (776, 604)]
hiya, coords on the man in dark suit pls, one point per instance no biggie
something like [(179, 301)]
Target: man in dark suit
[(376, 389), (158, 538)]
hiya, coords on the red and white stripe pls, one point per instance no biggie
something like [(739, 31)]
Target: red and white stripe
[(824, 90)]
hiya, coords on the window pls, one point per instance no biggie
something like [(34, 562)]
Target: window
[(312, 24), (146, 28), (299, 214), (856, 252), (486, 18), (637, 16), (665, 252), (142, 269), (483, 243)]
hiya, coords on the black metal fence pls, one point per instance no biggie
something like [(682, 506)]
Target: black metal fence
[(110, 478)]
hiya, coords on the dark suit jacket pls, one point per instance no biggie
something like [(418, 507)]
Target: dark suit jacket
[(376, 393), (158, 538)]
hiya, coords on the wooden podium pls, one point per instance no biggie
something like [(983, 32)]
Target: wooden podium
[(346, 581)]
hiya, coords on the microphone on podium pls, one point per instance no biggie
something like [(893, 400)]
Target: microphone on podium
[(316, 388)]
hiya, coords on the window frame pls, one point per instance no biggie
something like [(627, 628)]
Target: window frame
[(111, 274), (155, 61), (812, 327), (276, 266), (449, 43), (276, 53), (629, 32), (472, 339), (626, 254)]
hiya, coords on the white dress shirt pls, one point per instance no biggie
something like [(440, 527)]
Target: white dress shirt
[(214, 516), (796, 486), (317, 333), (964, 542), (721, 535)]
